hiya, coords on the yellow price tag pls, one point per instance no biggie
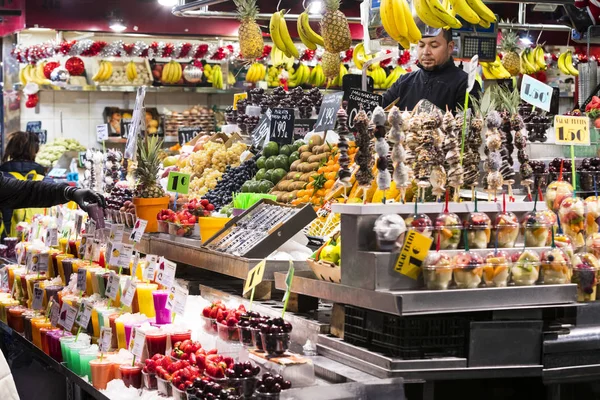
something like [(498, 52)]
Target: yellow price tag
[(237, 97), (255, 276), (414, 252), (570, 130)]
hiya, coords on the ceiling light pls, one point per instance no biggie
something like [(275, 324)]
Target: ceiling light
[(167, 3), (315, 7), (525, 40), (117, 25)]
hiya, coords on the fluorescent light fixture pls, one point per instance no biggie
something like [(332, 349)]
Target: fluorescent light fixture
[(315, 7), (117, 25), (167, 3), (526, 41)]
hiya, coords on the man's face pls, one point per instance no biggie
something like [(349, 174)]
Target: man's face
[(434, 51)]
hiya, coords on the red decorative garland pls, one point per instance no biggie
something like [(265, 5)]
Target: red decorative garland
[(348, 55)]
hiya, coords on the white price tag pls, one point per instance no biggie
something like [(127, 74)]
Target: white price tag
[(82, 279), (54, 313), (138, 230), (67, 316), (166, 272), (89, 249), (83, 314), (135, 260), (177, 299), (116, 233), (91, 227), (37, 263), (473, 65), (113, 252), (86, 240), (96, 250), (101, 132), (4, 278), (125, 256), (29, 261), (38, 298), (78, 223), (129, 292), (112, 286), (59, 217), (137, 342), (52, 237), (151, 267), (21, 256), (105, 339)]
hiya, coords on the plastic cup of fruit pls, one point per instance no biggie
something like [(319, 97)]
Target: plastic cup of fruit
[(592, 214), (506, 228), (102, 373), (420, 223), (275, 344), (468, 269), (156, 340), (478, 226), (163, 226), (526, 268), (585, 275), (555, 267), (266, 396), (178, 394), (556, 192), (572, 218), (246, 335), (131, 375), (448, 227), (389, 231), (535, 226), (593, 244), (496, 272), (180, 336), (181, 230), (563, 242), (149, 380), (164, 386), (257, 339), (437, 272), (209, 325), (243, 386), (228, 333)]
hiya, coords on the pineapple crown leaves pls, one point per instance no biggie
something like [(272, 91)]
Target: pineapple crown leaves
[(332, 5), (246, 9), (148, 158)]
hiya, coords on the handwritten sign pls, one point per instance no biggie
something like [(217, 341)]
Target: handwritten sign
[(302, 127), (260, 134), (358, 100), (572, 130), (536, 93), (38, 298), (328, 112), (255, 276), (413, 254), (101, 132), (187, 133), (178, 182), (282, 125), (81, 279)]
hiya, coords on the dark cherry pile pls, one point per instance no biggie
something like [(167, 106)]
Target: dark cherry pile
[(117, 198), (270, 383), (204, 389), (242, 370), (540, 174), (275, 336), (231, 182), (588, 169), (537, 122), (554, 169)]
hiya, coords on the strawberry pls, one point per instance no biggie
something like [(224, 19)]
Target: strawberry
[(228, 362), (193, 359), (211, 351), (220, 315), (196, 346), (214, 312)]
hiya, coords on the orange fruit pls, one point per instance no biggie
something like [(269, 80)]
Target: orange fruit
[(336, 167), (321, 192), (321, 170), (330, 162), (329, 184)]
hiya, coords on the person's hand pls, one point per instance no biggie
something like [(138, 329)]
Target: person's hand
[(85, 197)]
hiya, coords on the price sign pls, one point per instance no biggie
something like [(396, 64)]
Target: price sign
[(328, 112), (42, 136), (67, 316), (151, 267), (237, 97), (137, 342), (177, 299), (473, 65), (282, 125), (91, 227), (112, 286), (54, 313), (358, 100), (39, 262), (105, 339), (38, 298), (125, 127), (302, 127), (414, 252), (186, 134), (29, 262), (572, 130), (129, 292), (135, 260), (78, 223), (125, 256), (255, 276), (89, 248), (52, 237), (138, 229), (113, 251), (116, 232), (96, 250), (178, 182), (260, 135), (166, 272), (101, 132), (4, 277), (536, 93), (81, 279), (83, 314)]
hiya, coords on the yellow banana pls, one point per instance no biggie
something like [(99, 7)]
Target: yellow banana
[(275, 32), (414, 34), (399, 18), (98, 76), (465, 11), (561, 64), (310, 33), (109, 71), (482, 10), (22, 76), (426, 15), (568, 63), (303, 36), (539, 58), (487, 74), (39, 71), (386, 12), (530, 57), (286, 38), (165, 73), (442, 14)]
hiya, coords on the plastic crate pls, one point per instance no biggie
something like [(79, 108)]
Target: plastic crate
[(355, 324), (483, 46)]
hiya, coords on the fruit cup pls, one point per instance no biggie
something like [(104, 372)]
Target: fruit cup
[(131, 375), (102, 373), (181, 230), (526, 268), (592, 215), (180, 336), (209, 324), (389, 231), (572, 218), (479, 230), (246, 333), (178, 394), (496, 272), (164, 387), (228, 333), (275, 344), (448, 228), (156, 340), (556, 267), (243, 386), (437, 271), (535, 226), (556, 192), (150, 381), (506, 228), (585, 271), (468, 269), (420, 223), (163, 226), (563, 242)]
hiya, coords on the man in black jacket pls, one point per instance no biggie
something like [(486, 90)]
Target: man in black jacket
[(438, 79), (16, 193)]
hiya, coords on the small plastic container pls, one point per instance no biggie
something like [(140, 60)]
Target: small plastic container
[(180, 336), (535, 226), (496, 272), (257, 339), (246, 335), (468, 270), (275, 344), (585, 275), (525, 270), (556, 192), (178, 394), (389, 231), (437, 271), (163, 226), (243, 386), (209, 325), (420, 223), (228, 333), (181, 230), (572, 219), (564, 242), (592, 214), (555, 267), (592, 243), (150, 381), (448, 227), (506, 229), (164, 387), (266, 396), (479, 230), (131, 375)]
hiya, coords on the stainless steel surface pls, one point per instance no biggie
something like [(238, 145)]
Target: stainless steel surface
[(336, 372), (579, 373), (431, 301), (389, 389), (575, 339)]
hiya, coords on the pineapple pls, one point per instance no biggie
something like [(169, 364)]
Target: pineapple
[(251, 40), (510, 59), (331, 64), (148, 165), (335, 29)]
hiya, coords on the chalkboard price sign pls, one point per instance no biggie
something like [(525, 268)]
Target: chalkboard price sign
[(365, 100), (186, 134), (328, 112), (282, 125), (125, 127), (260, 135), (302, 127)]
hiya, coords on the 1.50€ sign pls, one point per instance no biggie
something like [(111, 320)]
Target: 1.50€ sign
[(570, 130)]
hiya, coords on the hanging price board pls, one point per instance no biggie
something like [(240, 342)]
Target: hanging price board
[(328, 113), (358, 100), (165, 274), (282, 125), (572, 130), (255, 276), (178, 182), (414, 252)]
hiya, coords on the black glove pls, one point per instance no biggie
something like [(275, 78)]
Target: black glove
[(85, 197)]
